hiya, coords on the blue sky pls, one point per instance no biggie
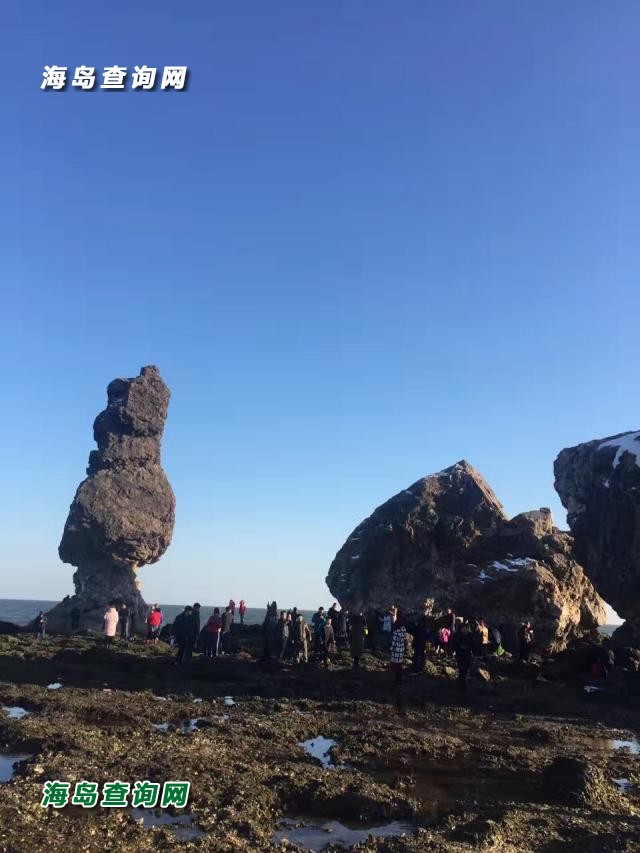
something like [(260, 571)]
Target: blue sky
[(369, 240)]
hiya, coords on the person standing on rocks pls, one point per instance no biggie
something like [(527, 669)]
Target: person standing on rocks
[(608, 660), (110, 624), (398, 648), (342, 634), (183, 632), (283, 634), (227, 622), (357, 633), (421, 631), (333, 615), (525, 641), (329, 644), (41, 625), (213, 626), (196, 624), (495, 637), (462, 643), (242, 609), (386, 627), (318, 620), (124, 617), (270, 631), (154, 620), (444, 637), (302, 637), (484, 637)]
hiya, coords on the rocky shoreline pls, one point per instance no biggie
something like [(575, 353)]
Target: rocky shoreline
[(526, 761)]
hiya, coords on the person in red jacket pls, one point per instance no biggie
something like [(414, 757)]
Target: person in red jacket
[(242, 609), (154, 620)]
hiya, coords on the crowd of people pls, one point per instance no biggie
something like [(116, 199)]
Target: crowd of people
[(291, 639)]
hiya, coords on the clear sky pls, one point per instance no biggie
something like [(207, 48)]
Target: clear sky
[(370, 239)]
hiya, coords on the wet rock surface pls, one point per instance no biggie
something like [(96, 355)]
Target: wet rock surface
[(577, 782), (465, 773), (446, 539), (599, 484), (122, 515)]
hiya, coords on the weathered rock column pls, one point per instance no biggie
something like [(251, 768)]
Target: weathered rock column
[(123, 514), (599, 484)]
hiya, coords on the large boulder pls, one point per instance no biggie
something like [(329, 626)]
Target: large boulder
[(123, 513), (447, 540), (574, 782), (599, 484)]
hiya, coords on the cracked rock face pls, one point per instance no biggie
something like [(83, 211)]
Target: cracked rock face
[(599, 484), (123, 513), (447, 540)]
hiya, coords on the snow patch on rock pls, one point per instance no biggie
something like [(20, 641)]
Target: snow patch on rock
[(628, 443)]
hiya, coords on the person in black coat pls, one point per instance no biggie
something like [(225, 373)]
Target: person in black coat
[(462, 643), (183, 627), (195, 615)]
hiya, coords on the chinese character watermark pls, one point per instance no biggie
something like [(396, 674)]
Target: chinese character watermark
[(116, 794), (55, 77), (143, 77), (84, 77), (114, 77)]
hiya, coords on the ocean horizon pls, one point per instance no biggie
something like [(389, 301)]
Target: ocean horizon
[(21, 611)]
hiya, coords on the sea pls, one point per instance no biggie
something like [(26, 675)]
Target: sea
[(21, 611)]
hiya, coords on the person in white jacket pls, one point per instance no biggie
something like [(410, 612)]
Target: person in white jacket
[(110, 624)]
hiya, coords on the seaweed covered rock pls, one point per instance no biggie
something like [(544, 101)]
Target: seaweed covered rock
[(574, 782), (599, 484), (446, 540), (123, 513)]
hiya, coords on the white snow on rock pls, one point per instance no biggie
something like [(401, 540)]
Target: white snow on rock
[(513, 564), (506, 567), (55, 686), (228, 701), (628, 443)]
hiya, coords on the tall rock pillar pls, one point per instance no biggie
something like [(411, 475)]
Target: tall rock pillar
[(123, 513)]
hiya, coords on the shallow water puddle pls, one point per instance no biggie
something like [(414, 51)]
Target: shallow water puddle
[(15, 712), (319, 748), (318, 836), (8, 760), (623, 785), (55, 686), (632, 745), (161, 727), (182, 826), (190, 726)]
